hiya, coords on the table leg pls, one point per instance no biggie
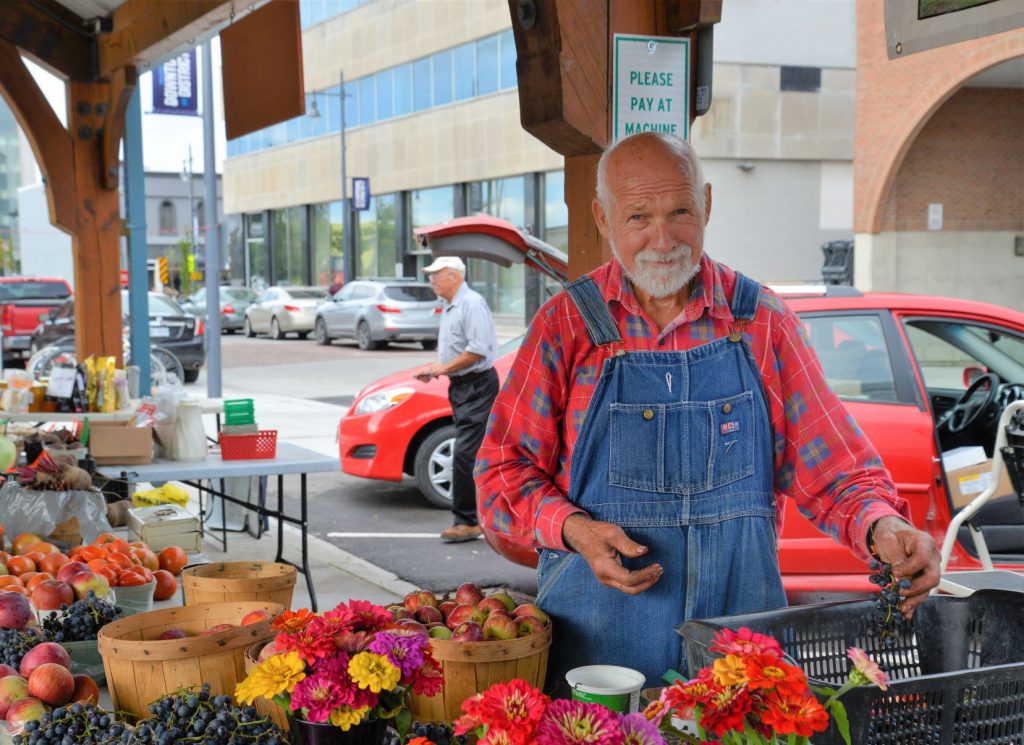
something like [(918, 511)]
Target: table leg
[(305, 548), (280, 520), (223, 517)]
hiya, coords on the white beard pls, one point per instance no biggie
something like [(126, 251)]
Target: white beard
[(660, 280)]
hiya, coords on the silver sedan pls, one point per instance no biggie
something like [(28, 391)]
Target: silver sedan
[(282, 310)]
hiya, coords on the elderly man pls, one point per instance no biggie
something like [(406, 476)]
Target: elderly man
[(466, 349), (655, 419)]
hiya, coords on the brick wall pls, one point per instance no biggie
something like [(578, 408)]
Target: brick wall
[(969, 157)]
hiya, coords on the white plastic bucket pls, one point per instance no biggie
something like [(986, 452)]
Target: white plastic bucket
[(618, 688)]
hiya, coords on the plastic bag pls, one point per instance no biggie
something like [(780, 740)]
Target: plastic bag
[(26, 511), (166, 494)]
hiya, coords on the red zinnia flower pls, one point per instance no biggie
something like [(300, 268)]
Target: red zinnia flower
[(429, 679), (726, 711), (515, 706), (310, 644), (768, 672), (682, 697), (744, 642), (800, 716), (368, 617)]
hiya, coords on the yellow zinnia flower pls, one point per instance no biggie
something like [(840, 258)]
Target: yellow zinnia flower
[(374, 672), (275, 675), (730, 670), (345, 716)]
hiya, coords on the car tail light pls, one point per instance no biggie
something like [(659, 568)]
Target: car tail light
[(228, 309), (293, 308), (388, 309), (438, 309), (199, 327), (8, 318)]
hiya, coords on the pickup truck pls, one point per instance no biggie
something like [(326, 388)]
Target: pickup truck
[(23, 300)]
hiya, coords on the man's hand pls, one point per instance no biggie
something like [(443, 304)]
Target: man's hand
[(602, 544), (434, 370), (912, 554)]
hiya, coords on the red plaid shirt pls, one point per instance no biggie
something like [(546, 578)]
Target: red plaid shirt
[(822, 459)]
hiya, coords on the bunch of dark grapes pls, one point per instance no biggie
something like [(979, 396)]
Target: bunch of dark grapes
[(437, 732), (81, 621), (887, 621), (195, 715), (15, 644), (75, 724)]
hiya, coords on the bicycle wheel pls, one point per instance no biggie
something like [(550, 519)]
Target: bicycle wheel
[(168, 364), (42, 362)]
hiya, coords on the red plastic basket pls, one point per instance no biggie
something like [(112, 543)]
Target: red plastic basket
[(262, 445)]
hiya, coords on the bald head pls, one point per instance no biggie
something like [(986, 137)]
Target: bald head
[(626, 150)]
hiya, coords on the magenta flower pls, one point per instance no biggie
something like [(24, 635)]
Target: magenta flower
[(319, 695), (637, 730), (404, 652), (354, 643), (335, 669), (568, 722), (744, 642), (865, 670), (369, 617)]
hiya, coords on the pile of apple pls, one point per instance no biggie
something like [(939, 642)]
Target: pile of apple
[(40, 571), (43, 677), (256, 616), (469, 616)]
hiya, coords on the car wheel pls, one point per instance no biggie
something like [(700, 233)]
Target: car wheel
[(247, 329), (191, 376), (275, 330), (364, 338), (229, 331), (429, 344), (433, 467), (302, 334), (320, 333)]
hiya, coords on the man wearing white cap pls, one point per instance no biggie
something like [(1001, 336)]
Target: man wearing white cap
[(466, 349)]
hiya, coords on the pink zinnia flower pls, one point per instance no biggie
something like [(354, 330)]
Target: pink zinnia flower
[(657, 709), (334, 623), (865, 670), (404, 652), (568, 722), (336, 669), (744, 642), (319, 694), (369, 617), (637, 730)]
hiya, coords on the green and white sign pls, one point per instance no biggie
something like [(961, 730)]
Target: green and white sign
[(651, 87)]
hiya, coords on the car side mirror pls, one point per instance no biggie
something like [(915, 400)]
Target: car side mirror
[(973, 373)]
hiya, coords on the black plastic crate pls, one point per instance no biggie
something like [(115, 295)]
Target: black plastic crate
[(956, 677)]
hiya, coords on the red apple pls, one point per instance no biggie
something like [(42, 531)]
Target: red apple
[(173, 634), (268, 650), (51, 683), (464, 613), (415, 600), (85, 582), (41, 654), (13, 688), (218, 628), (23, 711), (427, 614), (527, 625), (412, 625), (500, 626), (447, 607), (399, 611), (69, 570), (529, 609), (440, 632), (506, 600), (491, 603), (86, 691), (51, 595), (468, 594), (256, 616), (467, 632), (6, 670), (15, 610)]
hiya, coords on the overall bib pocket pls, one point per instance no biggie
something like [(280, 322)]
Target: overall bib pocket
[(550, 566)]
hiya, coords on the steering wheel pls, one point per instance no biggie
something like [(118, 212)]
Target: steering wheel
[(968, 411)]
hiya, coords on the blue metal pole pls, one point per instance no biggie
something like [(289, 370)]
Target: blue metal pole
[(213, 234), (138, 275)]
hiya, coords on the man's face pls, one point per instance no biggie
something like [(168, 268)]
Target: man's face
[(653, 221), (444, 282)]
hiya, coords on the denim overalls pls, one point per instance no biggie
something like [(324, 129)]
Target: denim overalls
[(676, 448)]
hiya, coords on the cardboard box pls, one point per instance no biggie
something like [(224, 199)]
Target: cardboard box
[(965, 484), (165, 525), (962, 457), (114, 443)]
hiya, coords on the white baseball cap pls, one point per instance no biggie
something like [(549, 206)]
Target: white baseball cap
[(446, 262)]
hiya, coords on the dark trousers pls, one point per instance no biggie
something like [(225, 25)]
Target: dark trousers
[(471, 396)]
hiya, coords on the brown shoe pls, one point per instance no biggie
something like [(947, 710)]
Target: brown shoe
[(461, 533)]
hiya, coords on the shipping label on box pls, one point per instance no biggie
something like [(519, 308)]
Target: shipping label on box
[(965, 484)]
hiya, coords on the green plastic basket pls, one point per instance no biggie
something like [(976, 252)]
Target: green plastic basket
[(239, 411)]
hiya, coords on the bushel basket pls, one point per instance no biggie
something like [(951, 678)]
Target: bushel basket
[(956, 677)]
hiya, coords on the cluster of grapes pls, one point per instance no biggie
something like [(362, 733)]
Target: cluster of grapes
[(77, 724), (15, 644), (82, 620), (436, 732), (887, 620), (195, 715)]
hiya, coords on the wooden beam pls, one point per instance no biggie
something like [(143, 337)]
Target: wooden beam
[(46, 31), (122, 85), (587, 250), (46, 135), (146, 31), (96, 244)]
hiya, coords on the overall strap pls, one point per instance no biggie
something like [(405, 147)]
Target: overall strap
[(592, 307), (745, 297)]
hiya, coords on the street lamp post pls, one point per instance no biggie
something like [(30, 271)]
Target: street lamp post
[(348, 262)]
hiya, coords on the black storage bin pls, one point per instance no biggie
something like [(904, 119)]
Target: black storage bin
[(956, 678)]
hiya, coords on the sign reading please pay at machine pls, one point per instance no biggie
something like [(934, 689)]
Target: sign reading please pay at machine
[(651, 86)]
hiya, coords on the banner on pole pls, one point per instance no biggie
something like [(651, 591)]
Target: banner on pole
[(174, 86)]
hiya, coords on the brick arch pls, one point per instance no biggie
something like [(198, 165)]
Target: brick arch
[(895, 99)]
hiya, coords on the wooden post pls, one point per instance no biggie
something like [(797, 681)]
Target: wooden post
[(97, 243)]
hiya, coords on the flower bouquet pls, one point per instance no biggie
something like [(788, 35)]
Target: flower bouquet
[(346, 668)]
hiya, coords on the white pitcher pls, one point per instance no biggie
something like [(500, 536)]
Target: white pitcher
[(189, 439)]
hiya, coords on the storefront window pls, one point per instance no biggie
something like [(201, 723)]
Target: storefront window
[(430, 207), (328, 233), (504, 289), (556, 214), (387, 235), (235, 259), (289, 264), (259, 257), (368, 240)]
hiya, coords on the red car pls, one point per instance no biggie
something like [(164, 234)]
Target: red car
[(921, 375)]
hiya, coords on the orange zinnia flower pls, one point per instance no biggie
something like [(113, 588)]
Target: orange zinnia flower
[(802, 717), (730, 670), (768, 672), (292, 620)]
